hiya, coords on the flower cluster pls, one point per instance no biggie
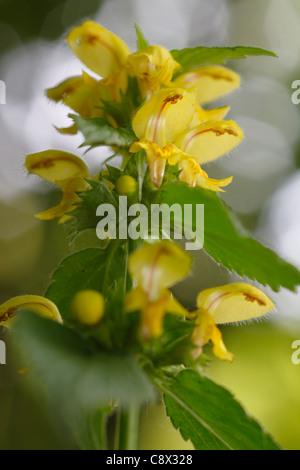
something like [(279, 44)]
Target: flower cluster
[(169, 122), (171, 128), (154, 269)]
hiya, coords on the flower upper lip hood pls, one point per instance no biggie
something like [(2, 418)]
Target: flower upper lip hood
[(235, 302), (208, 82), (39, 305), (109, 56), (100, 50)]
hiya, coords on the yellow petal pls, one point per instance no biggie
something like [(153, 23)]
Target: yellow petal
[(157, 158), (209, 82), (154, 66), (82, 94), (175, 307), (153, 316), (206, 331), (210, 140), (157, 266), (202, 115), (135, 300), (164, 116), (40, 305), (56, 166), (234, 302), (193, 174), (99, 49), (68, 200), (152, 313)]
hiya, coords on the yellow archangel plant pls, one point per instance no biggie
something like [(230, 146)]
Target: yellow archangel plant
[(118, 300)]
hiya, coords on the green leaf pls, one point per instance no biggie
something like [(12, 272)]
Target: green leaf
[(76, 373), (141, 41), (93, 268), (98, 132), (209, 416), (84, 215), (228, 245), (86, 239), (192, 57), (123, 111)]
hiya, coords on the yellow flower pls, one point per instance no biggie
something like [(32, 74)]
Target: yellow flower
[(83, 94), (39, 305), (153, 66), (226, 304), (193, 174), (109, 56), (154, 268), (205, 331), (66, 171), (208, 82), (163, 127)]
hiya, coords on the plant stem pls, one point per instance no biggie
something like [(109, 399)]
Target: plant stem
[(129, 428)]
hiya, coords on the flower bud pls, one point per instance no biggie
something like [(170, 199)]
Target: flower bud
[(126, 185), (88, 307)]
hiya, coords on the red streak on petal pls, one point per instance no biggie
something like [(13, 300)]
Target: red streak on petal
[(217, 299), (215, 131), (172, 100), (158, 119), (162, 251), (93, 39), (11, 311)]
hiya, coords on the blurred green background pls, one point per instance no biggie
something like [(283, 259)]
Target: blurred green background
[(265, 191)]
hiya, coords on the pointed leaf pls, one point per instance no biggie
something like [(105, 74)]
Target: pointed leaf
[(209, 416), (228, 245), (192, 57)]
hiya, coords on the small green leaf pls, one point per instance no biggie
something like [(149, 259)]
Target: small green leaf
[(192, 57), (98, 132), (86, 239), (77, 374), (209, 416), (84, 214), (123, 111), (228, 245), (141, 41)]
